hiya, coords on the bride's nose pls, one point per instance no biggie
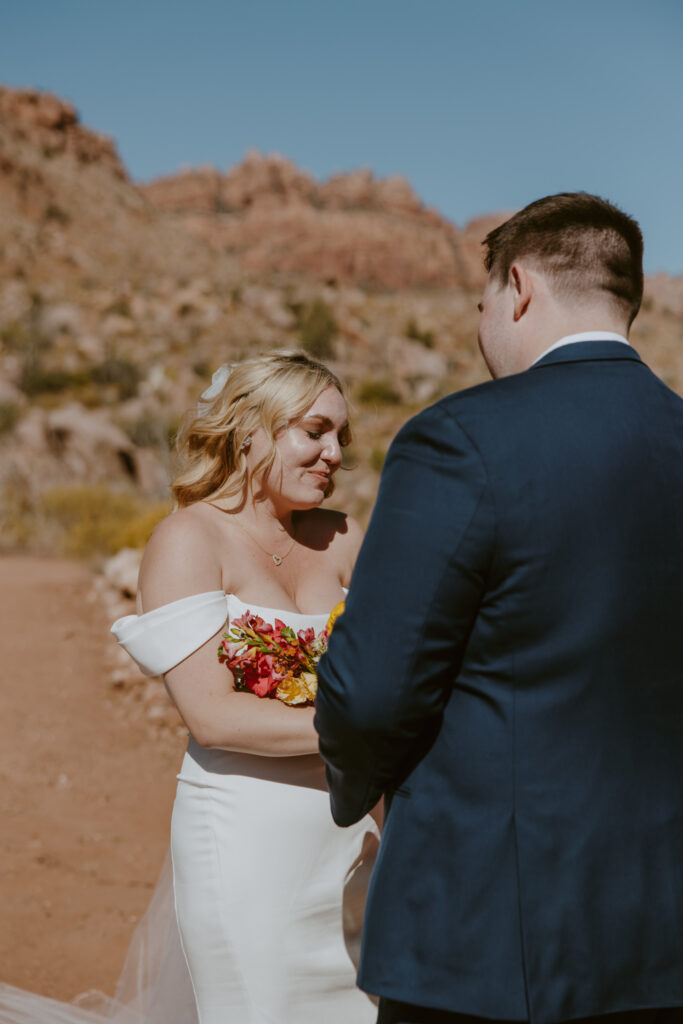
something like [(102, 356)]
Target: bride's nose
[(331, 453)]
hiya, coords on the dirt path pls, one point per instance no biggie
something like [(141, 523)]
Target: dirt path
[(85, 794)]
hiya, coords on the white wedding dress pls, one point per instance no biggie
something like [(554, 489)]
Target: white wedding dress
[(267, 889)]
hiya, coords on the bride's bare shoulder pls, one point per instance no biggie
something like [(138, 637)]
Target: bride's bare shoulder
[(180, 559)]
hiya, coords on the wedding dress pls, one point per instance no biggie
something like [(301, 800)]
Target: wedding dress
[(267, 890)]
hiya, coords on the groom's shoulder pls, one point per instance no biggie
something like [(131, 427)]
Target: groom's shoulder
[(471, 405)]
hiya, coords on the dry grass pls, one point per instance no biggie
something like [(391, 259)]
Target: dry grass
[(83, 521), (97, 521)]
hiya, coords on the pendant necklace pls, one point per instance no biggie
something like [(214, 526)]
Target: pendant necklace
[(277, 559)]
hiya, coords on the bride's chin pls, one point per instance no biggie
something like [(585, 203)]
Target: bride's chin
[(311, 502)]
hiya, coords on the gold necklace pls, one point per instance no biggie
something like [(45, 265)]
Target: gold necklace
[(277, 559)]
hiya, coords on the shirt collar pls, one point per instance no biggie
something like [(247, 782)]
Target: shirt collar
[(571, 339)]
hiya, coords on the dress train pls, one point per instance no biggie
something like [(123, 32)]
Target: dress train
[(154, 986)]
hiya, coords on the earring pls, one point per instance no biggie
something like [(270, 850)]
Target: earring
[(245, 444)]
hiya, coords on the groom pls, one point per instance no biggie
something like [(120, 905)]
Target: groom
[(509, 670)]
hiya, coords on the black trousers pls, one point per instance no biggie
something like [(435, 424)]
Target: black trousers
[(391, 1012)]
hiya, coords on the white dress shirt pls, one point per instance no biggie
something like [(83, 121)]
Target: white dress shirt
[(571, 339)]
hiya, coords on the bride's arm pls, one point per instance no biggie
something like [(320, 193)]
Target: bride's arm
[(180, 561), (218, 716)]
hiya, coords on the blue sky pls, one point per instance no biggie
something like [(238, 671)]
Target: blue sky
[(484, 105)]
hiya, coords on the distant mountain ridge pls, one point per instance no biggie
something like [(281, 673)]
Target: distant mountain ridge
[(353, 227), (268, 213)]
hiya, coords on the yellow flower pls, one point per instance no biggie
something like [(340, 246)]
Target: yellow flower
[(334, 615), (298, 689)]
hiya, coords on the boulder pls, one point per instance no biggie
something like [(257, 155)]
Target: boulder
[(77, 445), (121, 571), (419, 370)]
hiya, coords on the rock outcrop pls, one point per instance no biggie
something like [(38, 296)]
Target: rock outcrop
[(67, 206), (53, 124), (79, 445), (353, 228)]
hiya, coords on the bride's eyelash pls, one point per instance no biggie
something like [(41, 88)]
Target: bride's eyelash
[(315, 435)]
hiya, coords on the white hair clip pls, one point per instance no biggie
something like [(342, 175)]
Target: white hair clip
[(218, 382)]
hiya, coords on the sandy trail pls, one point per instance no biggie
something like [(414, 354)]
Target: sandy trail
[(85, 793)]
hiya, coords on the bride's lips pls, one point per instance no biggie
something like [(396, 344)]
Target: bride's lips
[(322, 476)]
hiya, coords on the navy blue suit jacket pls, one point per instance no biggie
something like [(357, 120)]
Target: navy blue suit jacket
[(509, 674)]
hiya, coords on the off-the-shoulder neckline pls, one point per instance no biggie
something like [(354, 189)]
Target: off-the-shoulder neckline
[(280, 611), (246, 604)]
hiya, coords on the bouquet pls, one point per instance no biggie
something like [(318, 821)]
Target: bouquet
[(274, 660)]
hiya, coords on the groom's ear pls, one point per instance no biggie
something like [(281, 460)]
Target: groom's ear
[(521, 285)]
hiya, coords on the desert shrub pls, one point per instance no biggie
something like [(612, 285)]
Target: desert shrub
[(425, 338), (377, 457), (124, 375), (27, 339), (172, 428), (35, 379), (137, 532), (9, 415), (17, 515), (147, 432), (120, 306), (202, 370), (55, 213), (13, 337), (152, 432), (96, 520), (373, 391), (317, 328)]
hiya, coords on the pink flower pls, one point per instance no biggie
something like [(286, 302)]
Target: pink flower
[(251, 621), (228, 652)]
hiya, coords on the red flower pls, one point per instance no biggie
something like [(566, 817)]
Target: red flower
[(262, 674), (306, 636)]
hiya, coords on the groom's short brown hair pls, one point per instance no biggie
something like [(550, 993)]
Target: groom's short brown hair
[(583, 243)]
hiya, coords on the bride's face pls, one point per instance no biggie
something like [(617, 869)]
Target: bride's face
[(309, 453)]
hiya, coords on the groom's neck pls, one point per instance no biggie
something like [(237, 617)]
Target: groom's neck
[(546, 330)]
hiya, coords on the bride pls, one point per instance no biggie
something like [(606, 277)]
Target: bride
[(259, 868)]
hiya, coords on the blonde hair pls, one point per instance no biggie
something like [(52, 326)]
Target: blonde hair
[(269, 391)]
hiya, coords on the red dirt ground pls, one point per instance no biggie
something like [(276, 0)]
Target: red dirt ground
[(85, 791)]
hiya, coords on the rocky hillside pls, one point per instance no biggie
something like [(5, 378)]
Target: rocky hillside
[(117, 301), (351, 229)]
